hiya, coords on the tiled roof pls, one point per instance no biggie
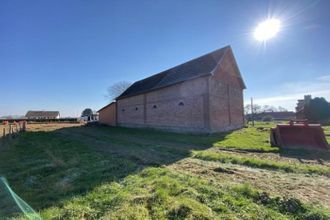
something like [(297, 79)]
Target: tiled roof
[(195, 68), (49, 114)]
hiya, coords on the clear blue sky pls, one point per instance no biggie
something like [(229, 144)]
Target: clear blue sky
[(62, 55)]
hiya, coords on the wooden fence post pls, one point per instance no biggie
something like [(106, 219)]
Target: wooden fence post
[(24, 125)]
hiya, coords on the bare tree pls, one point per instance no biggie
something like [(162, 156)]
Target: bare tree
[(117, 89), (269, 108), (281, 109), (247, 109), (256, 109)]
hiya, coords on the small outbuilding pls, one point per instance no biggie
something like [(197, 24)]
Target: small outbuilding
[(300, 108), (107, 114), (88, 115)]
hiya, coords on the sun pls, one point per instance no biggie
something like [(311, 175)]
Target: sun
[(267, 29)]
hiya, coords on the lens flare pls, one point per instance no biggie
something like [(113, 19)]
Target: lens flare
[(267, 29)]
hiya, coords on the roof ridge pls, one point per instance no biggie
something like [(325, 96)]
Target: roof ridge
[(192, 60), (194, 68), (207, 54), (220, 60), (222, 48)]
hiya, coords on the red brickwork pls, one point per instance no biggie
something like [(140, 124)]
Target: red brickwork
[(107, 115), (207, 104)]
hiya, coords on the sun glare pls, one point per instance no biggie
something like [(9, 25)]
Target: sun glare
[(267, 29)]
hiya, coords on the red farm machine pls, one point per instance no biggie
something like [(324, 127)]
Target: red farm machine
[(299, 134)]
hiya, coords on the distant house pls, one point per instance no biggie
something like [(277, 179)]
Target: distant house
[(90, 118), (202, 95), (300, 108), (107, 114), (42, 115), (88, 115)]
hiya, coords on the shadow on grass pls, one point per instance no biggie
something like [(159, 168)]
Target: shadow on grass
[(46, 168), (306, 154)]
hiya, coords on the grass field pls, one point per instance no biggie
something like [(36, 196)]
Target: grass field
[(68, 171)]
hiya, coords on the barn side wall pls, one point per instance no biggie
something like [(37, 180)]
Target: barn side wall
[(107, 115), (226, 97), (181, 107)]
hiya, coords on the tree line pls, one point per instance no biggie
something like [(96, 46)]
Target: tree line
[(265, 108)]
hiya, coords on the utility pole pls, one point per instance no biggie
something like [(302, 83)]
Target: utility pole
[(252, 112)]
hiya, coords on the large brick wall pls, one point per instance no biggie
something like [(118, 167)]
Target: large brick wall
[(107, 115), (226, 97), (207, 104), (130, 111), (180, 107)]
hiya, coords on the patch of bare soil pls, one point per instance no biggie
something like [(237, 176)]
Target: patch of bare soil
[(309, 188), (50, 126)]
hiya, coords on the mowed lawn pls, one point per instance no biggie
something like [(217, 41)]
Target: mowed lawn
[(69, 171)]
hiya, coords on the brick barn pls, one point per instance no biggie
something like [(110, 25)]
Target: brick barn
[(107, 114), (204, 95)]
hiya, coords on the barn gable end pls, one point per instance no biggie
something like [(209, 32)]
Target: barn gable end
[(108, 115), (202, 95), (226, 95)]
